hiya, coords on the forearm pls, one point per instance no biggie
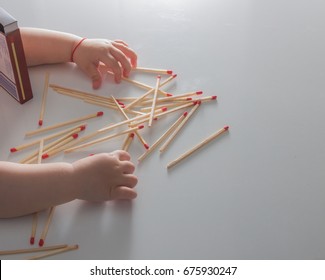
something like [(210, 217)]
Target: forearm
[(29, 188), (43, 46)]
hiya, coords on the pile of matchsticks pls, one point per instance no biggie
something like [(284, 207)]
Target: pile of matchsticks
[(136, 112)]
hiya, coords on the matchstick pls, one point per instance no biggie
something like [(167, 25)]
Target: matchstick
[(154, 101), (145, 144), (34, 227), (127, 142), (45, 91), (13, 47), (103, 139), (87, 117), (54, 135), (198, 146), (46, 228), (175, 132), (32, 250), (54, 252), (153, 70), (151, 90), (162, 137), (59, 147), (35, 215), (164, 111), (33, 157)]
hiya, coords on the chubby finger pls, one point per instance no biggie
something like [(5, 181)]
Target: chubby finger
[(121, 58), (123, 192), (127, 167), (110, 61), (121, 155), (127, 51)]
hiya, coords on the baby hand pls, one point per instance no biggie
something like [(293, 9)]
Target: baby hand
[(115, 55), (105, 176)]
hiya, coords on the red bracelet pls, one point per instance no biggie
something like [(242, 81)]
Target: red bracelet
[(75, 48)]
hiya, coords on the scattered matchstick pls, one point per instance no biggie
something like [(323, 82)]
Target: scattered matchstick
[(87, 117), (154, 101), (198, 146), (46, 228), (34, 227), (151, 90), (153, 70), (59, 147), (128, 141), (45, 91), (103, 139), (54, 135), (35, 215), (32, 250), (145, 144), (33, 157), (54, 252), (175, 132), (162, 137)]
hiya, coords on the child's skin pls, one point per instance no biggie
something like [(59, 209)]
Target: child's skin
[(28, 188)]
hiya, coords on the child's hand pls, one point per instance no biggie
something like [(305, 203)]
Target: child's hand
[(115, 55), (105, 177)]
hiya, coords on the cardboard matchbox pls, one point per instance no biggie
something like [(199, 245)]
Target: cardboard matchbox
[(14, 77)]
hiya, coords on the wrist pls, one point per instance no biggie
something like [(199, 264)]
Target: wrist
[(75, 46)]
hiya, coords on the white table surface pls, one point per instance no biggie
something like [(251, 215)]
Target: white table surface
[(258, 192)]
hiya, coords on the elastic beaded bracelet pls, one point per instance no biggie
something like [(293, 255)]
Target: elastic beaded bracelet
[(75, 48)]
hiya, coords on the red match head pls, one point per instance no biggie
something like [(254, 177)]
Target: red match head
[(32, 241), (214, 97), (100, 113), (74, 136), (140, 126), (146, 146), (13, 150), (41, 242), (226, 127), (44, 156), (185, 114), (170, 72), (40, 122), (164, 109), (199, 92), (82, 127)]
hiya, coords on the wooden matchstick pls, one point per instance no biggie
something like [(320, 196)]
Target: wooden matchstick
[(151, 90), (46, 228), (127, 142), (32, 250), (54, 252), (33, 157), (59, 147), (163, 111), (35, 215), (153, 70), (54, 135), (103, 139), (154, 101), (45, 91), (162, 137), (145, 144), (198, 146), (87, 117), (34, 227), (175, 132)]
